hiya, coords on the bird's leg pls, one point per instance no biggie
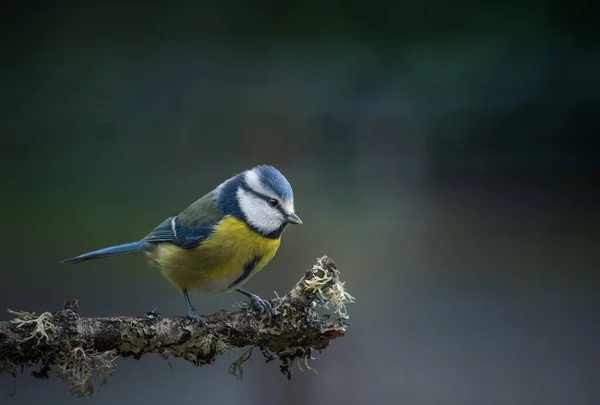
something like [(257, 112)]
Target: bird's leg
[(262, 306), (191, 312)]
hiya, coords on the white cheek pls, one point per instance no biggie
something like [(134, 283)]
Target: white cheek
[(258, 213)]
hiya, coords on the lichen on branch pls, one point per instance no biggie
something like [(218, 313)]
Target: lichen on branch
[(304, 320)]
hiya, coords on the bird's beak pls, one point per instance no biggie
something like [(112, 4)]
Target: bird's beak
[(293, 219)]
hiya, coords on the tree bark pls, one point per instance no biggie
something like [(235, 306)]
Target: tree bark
[(307, 318)]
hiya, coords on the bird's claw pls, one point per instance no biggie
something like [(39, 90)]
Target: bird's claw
[(261, 306), (193, 315)]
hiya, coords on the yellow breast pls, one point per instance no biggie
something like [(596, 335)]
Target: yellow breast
[(231, 255)]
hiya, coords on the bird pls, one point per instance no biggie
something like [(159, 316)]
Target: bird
[(221, 240)]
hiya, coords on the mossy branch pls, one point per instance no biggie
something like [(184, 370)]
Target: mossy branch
[(307, 318)]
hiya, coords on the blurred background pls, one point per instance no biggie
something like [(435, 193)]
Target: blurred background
[(441, 153)]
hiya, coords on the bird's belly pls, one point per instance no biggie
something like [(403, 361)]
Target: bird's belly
[(226, 260)]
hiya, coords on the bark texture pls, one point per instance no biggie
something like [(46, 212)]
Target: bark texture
[(307, 318)]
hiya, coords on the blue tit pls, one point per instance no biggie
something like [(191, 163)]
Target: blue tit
[(220, 241)]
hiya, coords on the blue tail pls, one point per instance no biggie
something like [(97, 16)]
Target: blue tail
[(119, 250)]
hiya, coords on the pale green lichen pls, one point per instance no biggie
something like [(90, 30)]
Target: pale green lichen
[(43, 326), (74, 365), (330, 290), (296, 356), (211, 343), (201, 348), (236, 369), (133, 337), (78, 367)]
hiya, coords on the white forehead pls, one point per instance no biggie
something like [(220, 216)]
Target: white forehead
[(288, 206), (253, 181)]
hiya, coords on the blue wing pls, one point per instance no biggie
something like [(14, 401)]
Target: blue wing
[(187, 230), (170, 230), (173, 231)]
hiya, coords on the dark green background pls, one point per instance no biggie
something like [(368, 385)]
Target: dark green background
[(441, 153)]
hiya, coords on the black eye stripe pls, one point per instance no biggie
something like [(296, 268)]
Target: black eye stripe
[(264, 197)]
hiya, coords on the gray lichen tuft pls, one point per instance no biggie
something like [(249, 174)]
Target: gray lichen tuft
[(75, 365), (78, 367)]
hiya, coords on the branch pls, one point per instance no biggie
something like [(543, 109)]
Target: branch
[(305, 319)]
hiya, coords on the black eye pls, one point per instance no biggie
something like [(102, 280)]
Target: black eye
[(273, 202)]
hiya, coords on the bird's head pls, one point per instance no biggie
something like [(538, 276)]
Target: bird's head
[(263, 198)]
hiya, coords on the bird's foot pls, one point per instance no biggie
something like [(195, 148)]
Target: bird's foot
[(261, 306), (193, 315)]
